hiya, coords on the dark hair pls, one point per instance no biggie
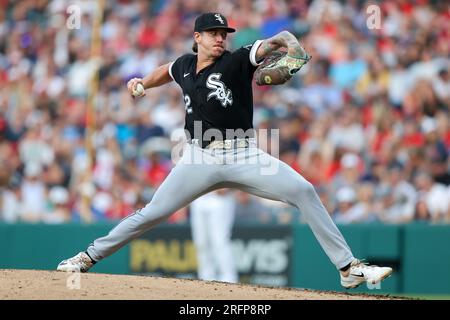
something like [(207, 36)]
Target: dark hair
[(195, 47)]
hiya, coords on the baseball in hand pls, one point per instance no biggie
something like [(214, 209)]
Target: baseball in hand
[(139, 90)]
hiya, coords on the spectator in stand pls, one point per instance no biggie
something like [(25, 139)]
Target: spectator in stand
[(347, 210), (34, 194), (434, 195), (347, 132), (421, 213), (59, 211), (400, 200), (349, 174), (382, 95), (435, 152)]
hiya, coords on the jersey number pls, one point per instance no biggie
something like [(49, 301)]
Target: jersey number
[(187, 104)]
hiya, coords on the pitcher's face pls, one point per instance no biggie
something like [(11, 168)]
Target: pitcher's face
[(211, 42)]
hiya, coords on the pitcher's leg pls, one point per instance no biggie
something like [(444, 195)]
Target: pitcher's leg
[(184, 183), (288, 186)]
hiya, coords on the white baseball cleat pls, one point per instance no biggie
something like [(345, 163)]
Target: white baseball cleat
[(79, 263), (360, 272)]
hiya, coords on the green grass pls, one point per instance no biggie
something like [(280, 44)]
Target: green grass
[(425, 296)]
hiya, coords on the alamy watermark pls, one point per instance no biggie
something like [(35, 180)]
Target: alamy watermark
[(73, 20), (73, 281), (374, 286), (373, 20), (234, 146)]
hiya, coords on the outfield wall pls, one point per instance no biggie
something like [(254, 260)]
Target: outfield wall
[(265, 255)]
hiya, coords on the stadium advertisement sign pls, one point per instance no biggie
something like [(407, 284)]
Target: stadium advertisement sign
[(261, 253)]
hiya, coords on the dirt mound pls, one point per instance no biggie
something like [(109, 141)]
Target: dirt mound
[(43, 285)]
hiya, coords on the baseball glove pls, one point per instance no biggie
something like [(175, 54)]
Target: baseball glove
[(278, 67)]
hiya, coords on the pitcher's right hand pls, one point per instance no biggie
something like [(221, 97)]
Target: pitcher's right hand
[(132, 87)]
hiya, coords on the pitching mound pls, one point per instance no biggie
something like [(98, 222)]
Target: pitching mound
[(43, 285)]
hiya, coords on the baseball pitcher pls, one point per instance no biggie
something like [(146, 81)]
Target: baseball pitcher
[(221, 151)]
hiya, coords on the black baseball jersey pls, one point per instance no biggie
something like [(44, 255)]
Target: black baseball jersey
[(220, 95)]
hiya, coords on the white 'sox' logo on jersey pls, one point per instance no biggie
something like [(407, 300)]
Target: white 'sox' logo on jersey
[(224, 95)]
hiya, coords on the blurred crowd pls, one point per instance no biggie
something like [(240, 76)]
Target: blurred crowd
[(366, 121)]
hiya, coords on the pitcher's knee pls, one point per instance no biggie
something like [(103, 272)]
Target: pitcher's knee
[(301, 189), (151, 215), (309, 188)]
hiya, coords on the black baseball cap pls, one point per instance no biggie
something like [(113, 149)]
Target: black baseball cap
[(211, 20)]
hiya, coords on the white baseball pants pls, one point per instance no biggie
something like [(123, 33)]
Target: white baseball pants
[(249, 169)]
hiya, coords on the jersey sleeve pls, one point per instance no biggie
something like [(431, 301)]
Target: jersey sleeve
[(247, 57), (176, 68)]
